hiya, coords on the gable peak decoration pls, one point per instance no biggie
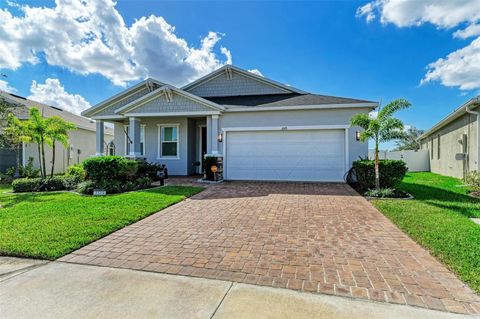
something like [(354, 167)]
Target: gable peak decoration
[(167, 92), (228, 73)]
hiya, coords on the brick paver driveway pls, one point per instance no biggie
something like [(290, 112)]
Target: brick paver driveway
[(320, 238)]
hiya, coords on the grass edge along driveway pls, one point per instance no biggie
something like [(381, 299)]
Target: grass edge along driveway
[(438, 219), (52, 224)]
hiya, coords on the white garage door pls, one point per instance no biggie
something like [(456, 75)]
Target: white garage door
[(292, 155)]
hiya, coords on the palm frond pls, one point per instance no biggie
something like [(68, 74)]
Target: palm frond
[(392, 107), (362, 120)]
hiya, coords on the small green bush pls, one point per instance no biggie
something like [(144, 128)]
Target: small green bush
[(86, 187), (382, 192), (76, 171), (391, 173), (473, 180)]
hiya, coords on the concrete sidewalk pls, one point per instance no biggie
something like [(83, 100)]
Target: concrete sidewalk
[(63, 290)]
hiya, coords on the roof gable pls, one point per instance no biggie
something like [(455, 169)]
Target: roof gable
[(123, 98), (233, 81), (169, 99)]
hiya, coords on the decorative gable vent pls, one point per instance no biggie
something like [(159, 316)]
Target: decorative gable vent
[(228, 73), (168, 94), (150, 86)]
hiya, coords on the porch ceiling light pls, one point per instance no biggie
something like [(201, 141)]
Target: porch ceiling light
[(220, 138)]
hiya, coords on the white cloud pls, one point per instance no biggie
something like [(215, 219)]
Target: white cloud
[(91, 37), (470, 31), (460, 68), (4, 86), (53, 93), (256, 71)]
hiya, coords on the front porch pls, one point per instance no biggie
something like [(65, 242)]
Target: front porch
[(179, 142)]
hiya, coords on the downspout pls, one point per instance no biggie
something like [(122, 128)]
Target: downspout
[(477, 99)]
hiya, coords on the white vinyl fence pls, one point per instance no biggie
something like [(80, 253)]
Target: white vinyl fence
[(417, 161)]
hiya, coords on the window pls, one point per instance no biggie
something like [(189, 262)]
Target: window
[(128, 140), (168, 141), (438, 146)]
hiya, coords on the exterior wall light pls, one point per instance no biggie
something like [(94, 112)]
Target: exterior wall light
[(357, 135), (220, 138)]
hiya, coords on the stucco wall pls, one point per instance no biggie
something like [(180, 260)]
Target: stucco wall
[(446, 163), (188, 132), (300, 118), (176, 166), (80, 140)]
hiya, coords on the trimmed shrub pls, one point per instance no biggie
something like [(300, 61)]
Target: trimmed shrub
[(55, 183), (392, 173), (22, 185), (104, 169), (76, 171), (86, 187)]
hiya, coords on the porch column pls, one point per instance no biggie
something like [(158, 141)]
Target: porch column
[(214, 134), (134, 133), (209, 135), (99, 137)]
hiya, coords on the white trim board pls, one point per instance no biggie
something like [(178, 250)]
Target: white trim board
[(173, 114), (159, 141), (286, 128), (300, 107)]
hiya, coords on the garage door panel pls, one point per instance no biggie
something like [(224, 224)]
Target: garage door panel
[(310, 155)]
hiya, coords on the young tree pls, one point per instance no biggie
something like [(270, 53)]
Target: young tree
[(409, 140), (15, 133), (37, 129), (383, 128), (57, 130)]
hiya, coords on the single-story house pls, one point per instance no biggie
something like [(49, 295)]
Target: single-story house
[(261, 129), (453, 142), (82, 140)]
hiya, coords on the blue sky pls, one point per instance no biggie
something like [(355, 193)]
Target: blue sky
[(323, 47)]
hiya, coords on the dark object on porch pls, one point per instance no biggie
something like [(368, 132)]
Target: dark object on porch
[(213, 168)]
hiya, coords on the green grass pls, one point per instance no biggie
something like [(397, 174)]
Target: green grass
[(438, 219), (50, 225)]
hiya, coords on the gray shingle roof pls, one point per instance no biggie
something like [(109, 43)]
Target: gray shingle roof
[(23, 105), (282, 100)]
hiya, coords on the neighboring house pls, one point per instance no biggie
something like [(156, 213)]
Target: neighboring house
[(262, 129), (82, 140), (453, 142)]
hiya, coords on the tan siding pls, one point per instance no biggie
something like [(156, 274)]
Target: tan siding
[(450, 135)]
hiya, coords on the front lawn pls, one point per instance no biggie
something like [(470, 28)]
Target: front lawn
[(438, 219), (50, 225)]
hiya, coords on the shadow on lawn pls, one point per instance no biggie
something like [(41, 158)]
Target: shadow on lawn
[(443, 198), (11, 200)]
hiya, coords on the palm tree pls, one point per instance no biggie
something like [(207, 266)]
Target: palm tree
[(37, 129), (57, 130), (409, 140), (382, 128)]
